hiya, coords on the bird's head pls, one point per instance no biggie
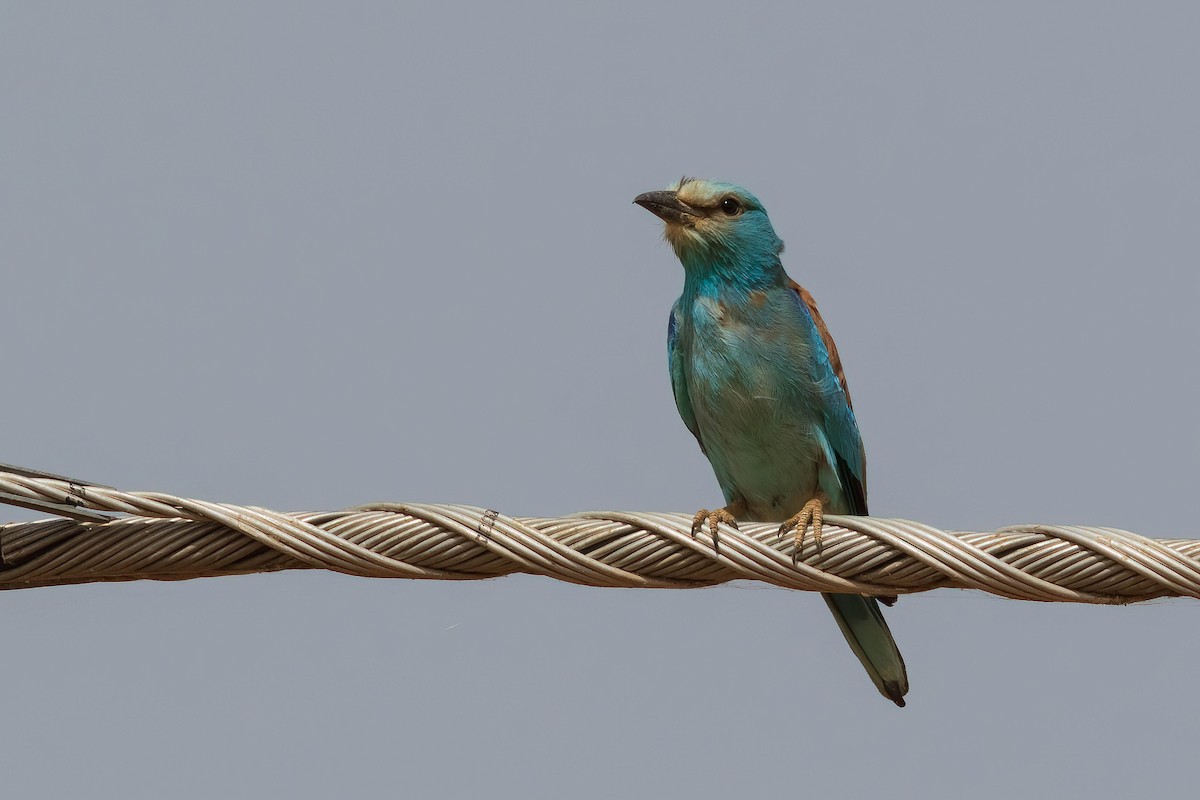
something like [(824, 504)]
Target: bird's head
[(715, 227)]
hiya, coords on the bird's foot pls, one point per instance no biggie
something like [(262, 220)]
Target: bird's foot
[(813, 513), (713, 518)]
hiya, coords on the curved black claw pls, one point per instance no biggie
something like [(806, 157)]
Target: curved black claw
[(812, 513), (714, 519)]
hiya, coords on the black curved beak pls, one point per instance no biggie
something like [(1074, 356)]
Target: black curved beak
[(667, 206)]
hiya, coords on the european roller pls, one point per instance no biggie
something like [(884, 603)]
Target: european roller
[(758, 382)]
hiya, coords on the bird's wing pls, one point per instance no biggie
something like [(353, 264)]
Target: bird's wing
[(834, 360), (683, 401), (841, 428)]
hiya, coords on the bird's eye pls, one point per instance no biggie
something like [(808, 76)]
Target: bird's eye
[(731, 207)]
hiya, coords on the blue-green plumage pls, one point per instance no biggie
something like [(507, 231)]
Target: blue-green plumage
[(758, 381)]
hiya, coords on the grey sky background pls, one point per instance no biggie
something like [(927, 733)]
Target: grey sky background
[(308, 257)]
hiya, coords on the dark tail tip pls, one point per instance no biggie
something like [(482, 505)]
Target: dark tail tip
[(894, 692)]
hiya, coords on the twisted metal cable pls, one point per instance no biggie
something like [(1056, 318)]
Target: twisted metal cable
[(174, 538)]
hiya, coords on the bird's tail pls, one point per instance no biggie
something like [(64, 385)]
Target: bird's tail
[(864, 627)]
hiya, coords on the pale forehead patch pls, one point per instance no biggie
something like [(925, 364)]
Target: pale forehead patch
[(707, 194), (697, 192)]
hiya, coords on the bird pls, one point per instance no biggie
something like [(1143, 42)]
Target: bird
[(759, 382)]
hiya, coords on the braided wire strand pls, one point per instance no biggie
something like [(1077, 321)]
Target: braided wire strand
[(164, 537)]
